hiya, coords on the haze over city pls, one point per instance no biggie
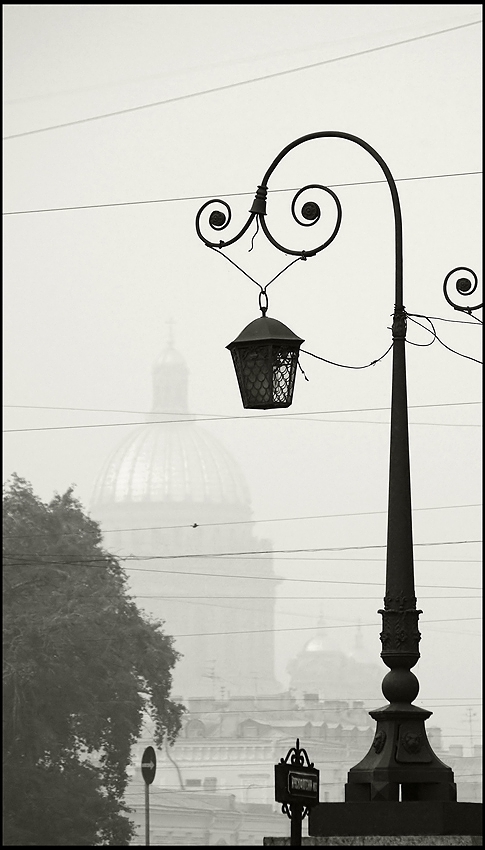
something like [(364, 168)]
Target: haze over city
[(119, 122)]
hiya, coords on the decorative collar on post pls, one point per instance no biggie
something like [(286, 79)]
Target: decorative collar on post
[(259, 204)]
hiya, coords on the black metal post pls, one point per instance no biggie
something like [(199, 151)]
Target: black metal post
[(147, 814), (296, 822)]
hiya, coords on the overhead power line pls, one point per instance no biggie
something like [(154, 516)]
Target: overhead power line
[(320, 708), (286, 598), (313, 629), (243, 554), (229, 194), (248, 521), (95, 564), (257, 578), (176, 421), (186, 419), (169, 413), (241, 82)]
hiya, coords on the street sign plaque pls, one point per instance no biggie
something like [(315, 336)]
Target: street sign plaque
[(149, 765), (296, 784)]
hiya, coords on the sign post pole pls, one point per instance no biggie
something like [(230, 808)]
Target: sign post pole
[(148, 769), (296, 822), (147, 814), (297, 787)]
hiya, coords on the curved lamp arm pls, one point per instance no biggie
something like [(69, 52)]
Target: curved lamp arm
[(219, 220), (336, 134)]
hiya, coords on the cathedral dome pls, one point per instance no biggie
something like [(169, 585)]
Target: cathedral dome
[(171, 459), (171, 462)]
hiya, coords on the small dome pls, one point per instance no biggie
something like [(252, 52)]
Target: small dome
[(316, 644)]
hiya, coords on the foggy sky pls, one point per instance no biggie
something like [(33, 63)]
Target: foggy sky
[(89, 292)]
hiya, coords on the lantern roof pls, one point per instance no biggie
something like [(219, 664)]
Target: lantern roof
[(265, 329)]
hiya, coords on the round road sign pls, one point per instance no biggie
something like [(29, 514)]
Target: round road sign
[(149, 765)]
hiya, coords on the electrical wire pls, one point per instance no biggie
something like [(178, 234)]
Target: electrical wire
[(251, 578), (375, 625), (245, 521), (138, 80), (312, 628), (282, 612), (221, 416), (250, 553), (170, 805), (233, 575), (345, 366), (229, 194), (322, 709), (453, 321), (242, 82), (436, 337), (285, 598), (295, 418), (292, 417)]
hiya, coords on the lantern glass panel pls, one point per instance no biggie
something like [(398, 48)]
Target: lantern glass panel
[(266, 374), (284, 371)]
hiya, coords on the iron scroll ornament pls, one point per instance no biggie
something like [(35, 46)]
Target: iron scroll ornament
[(310, 215), (310, 211), (465, 282)]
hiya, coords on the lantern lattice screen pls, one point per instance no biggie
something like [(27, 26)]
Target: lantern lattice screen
[(266, 375)]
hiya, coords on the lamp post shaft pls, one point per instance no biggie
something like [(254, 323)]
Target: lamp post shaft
[(400, 639), (399, 572)]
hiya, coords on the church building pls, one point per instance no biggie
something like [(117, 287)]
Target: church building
[(172, 497)]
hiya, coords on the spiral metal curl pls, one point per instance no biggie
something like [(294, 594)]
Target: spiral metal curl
[(286, 810), (310, 210), (465, 282), (308, 216), (219, 220)]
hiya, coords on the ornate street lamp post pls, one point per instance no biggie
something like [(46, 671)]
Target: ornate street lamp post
[(400, 765)]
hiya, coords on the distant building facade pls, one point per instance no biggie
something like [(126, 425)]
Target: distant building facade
[(231, 746)]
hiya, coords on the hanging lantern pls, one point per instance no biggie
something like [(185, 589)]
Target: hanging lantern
[(265, 357)]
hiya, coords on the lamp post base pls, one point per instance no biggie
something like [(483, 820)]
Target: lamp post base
[(419, 819), (400, 765)]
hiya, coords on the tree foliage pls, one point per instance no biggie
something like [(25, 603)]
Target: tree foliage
[(81, 667)]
